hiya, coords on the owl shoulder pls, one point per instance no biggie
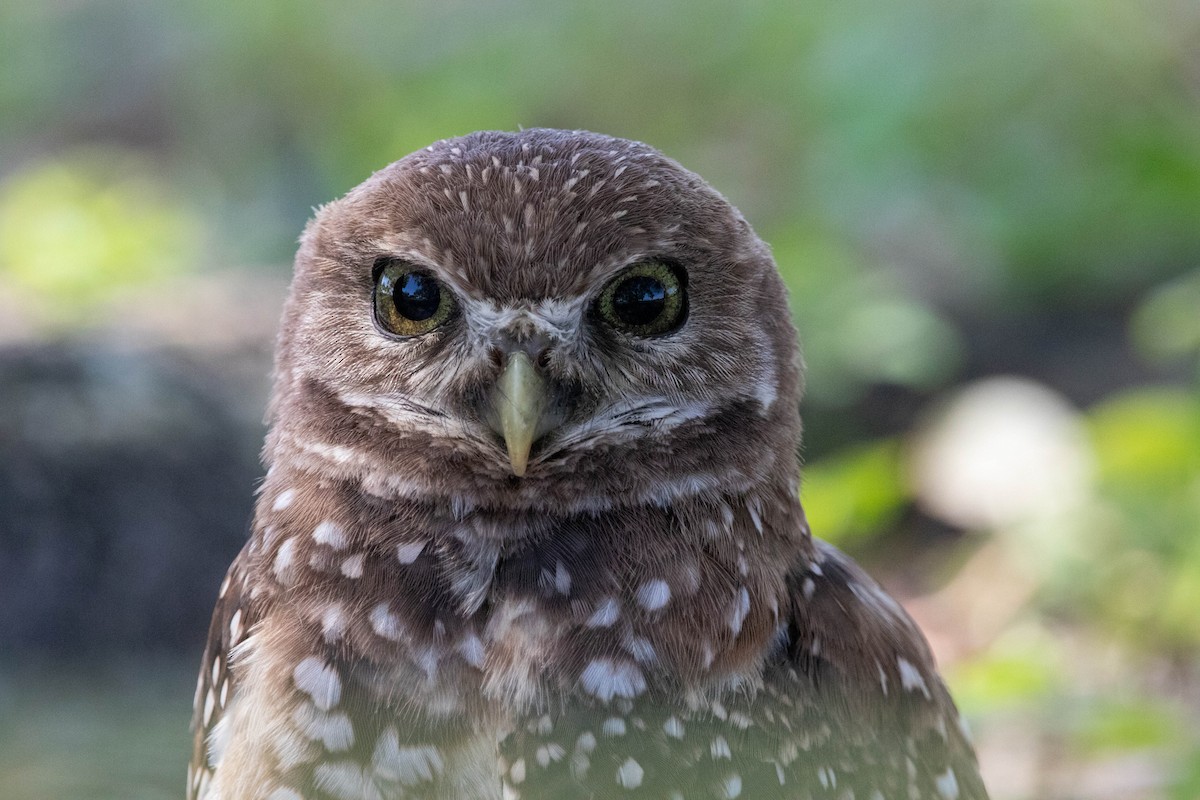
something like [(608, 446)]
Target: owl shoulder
[(857, 655), (843, 627)]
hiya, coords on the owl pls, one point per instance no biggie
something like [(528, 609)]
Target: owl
[(530, 526)]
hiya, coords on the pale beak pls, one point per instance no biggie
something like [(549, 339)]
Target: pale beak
[(520, 402)]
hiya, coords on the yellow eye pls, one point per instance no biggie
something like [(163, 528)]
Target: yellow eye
[(647, 299), (409, 301)]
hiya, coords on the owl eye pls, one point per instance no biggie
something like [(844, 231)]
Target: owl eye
[(410, 301), (646, 300)]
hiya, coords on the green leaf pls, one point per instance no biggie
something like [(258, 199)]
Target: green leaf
[(855, 494)]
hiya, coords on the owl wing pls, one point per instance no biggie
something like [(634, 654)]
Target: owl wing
[(232, 620), (854, 663), (849, 705)]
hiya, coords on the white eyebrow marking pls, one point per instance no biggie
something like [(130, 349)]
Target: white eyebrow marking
[(555, 318)]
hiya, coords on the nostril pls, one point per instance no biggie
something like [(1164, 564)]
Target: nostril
[(496, 356), (543, 358)]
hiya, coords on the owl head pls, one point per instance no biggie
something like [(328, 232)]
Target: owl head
[(542, 319)]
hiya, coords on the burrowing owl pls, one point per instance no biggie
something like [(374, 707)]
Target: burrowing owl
[(530, 525)]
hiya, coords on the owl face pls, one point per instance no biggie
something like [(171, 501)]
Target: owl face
[(532, 320)]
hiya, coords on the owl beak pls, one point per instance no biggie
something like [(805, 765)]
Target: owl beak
[(519, 401)]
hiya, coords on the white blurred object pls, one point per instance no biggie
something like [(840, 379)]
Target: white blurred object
[(1002, 452)]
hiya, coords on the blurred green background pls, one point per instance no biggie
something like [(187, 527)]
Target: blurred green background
[(988, 215)]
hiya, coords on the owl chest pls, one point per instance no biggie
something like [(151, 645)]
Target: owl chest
[(545, 631), (395, 646), (448, 619), (520, 648)]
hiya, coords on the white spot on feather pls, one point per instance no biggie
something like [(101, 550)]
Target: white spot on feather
[(283, 500), (333, 621), (548, 753), (641, 649), (385, 623), (346, 780), (720, 748), (754, 507), (352, 567), (319, 681), (334, 731), (235, 626), (613, 726), (741, 607), (562, 578), (471, 649), (630, 774), (654, 594), (673, 728), (605, 678), (284, 557), (739, 720), (605, 614), (911, 678), (330, 533), (409, 552), (947, 784), (407, 765)]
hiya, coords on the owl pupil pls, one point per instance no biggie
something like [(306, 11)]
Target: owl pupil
[(639, 300), (416, 296)]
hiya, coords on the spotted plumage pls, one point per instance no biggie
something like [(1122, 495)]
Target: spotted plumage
[(530, 526)]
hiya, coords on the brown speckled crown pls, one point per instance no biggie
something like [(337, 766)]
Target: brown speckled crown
[(643, 613)]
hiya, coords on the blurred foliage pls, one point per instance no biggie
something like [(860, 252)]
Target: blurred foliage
[(952, 190), (74, 231), (856, 494), (1144, 580), (1022, 668), (858, 324), (1166, 325), (940, 156)]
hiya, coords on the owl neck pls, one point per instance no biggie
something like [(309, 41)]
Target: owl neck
[(702, 578)]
